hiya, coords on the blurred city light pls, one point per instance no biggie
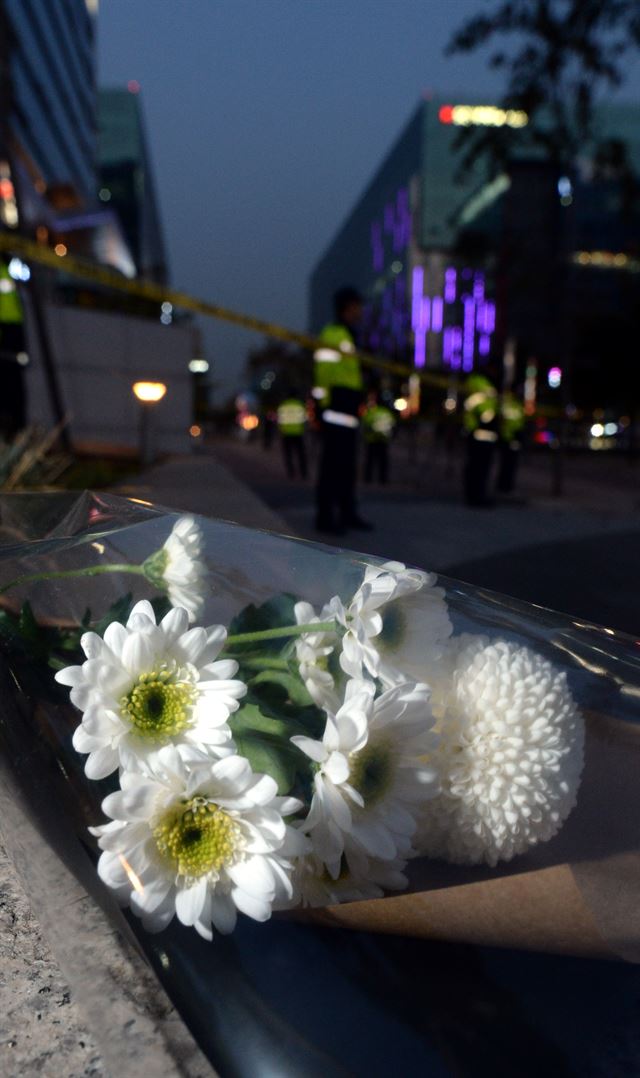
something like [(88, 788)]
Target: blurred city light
[(149, 392), (482, 116), (60, 249), (249, 422), (400, 404), (597, 430), (554, 377), (195, 431), (198, 366), (19, 270)]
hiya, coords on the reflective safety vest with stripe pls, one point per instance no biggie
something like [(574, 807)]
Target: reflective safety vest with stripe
[(378, 423), (10, 305), (291, 417), (512, 418), (480, 408), (336, 367)]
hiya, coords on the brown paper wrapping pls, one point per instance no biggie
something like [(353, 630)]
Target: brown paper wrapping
[(578, 894)]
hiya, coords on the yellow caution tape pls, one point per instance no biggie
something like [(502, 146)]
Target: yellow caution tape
[(15, 244)]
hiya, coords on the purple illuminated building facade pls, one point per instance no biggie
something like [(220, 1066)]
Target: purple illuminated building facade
[(425, 305), (454, 268)]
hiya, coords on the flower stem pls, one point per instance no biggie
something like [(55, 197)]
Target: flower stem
[(258, 662), (64, 574), (280, 632)]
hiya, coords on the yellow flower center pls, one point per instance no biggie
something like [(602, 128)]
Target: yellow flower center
[(159, 706), (196, 837), (371, 771)]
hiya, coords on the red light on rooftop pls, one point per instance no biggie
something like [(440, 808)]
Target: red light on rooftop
[(133, 86), (445, 114)]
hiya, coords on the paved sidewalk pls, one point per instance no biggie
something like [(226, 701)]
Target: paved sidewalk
[(576, 554)]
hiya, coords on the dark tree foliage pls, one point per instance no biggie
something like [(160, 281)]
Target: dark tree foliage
[(557, 56)]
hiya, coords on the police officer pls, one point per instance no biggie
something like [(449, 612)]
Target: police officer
[(377, 428), (338, 390), (480, 420), (511, 429), (292, 417), (12, 350)]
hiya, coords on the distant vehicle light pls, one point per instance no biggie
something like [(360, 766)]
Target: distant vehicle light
[(482, 116)]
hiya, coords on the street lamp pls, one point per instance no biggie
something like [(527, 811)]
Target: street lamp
[(148, 393)]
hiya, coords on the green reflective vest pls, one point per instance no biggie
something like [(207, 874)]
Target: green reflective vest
[(10, 305), (292, 417), (335, 363), (512, 417), (480, 403), (378, 423)]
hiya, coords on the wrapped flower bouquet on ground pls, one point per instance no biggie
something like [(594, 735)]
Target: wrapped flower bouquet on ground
[(243, 724)]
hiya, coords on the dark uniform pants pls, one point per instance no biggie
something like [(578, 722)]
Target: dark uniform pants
[(477, 470), (336, 489), (376, 462), (294, 455)]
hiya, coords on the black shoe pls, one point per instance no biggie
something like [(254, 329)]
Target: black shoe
[(359, 524)]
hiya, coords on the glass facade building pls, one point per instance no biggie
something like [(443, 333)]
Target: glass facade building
[(455, 263), (49, 115), (126, 178)]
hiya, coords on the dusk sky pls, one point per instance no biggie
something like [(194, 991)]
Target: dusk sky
[(266, 119)]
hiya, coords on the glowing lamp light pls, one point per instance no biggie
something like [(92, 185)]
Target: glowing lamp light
[(400, 404), (597, 430), (19, 270), (554, 377), (198, 366), (60, 250), (195, 431), (149, 392), (249, 422)]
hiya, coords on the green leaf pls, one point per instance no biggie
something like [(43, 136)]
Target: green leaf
[(250, 719), (293, 687), (269, 757), (119, 611), (274, 614)]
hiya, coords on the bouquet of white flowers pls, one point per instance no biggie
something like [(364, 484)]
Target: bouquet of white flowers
[(252, 724)]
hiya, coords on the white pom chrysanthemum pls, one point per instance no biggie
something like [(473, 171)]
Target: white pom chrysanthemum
[(314, 652), (200, 840), (369, 782), (510, 755), (178, 567), (395, 624), (146, 685)]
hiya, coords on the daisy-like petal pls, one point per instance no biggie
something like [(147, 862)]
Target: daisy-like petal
[(370, 780), (510, 755), (142, 687), (395, 626), (199, 839), (178, 567)]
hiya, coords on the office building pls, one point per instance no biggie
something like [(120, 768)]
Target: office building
[(456, 265)]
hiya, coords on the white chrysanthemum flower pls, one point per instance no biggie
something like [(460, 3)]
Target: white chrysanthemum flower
[(510, 755), (314, 652), (201, 840), (395, 624), (178, 568), (146, 685), (359, 878), (369, 782)]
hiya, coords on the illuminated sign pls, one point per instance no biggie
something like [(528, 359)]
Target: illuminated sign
[(482, 116)]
